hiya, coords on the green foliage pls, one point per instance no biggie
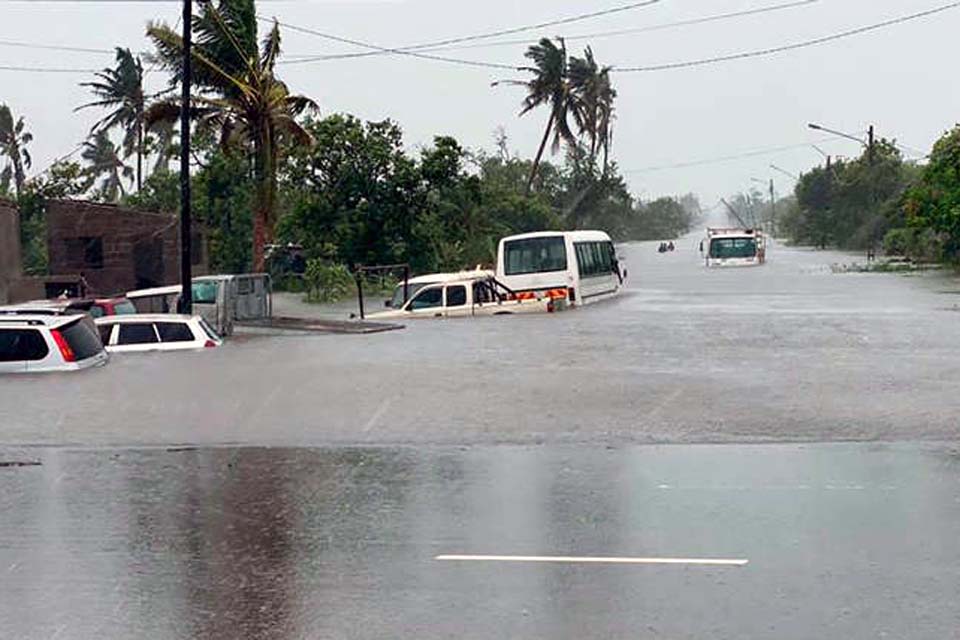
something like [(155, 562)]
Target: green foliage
[(934, 202), (919, 244), (326, 281), (852, 204)]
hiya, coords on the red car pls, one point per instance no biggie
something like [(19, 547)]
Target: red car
[(99, 307)]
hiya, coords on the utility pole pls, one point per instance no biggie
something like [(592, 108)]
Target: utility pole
[(186, 267), (773, 210), (870, 145)]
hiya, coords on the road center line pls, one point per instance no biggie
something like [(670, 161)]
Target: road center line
[(722, 562)]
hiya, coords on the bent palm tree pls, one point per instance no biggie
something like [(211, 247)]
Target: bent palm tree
[(13, 145), (605, 99), (121, 90), (549, 86), (241, 97), (106, 163)]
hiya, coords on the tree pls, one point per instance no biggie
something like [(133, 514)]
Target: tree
[(595, 95), (105, 163), (549, 86), (120, 89), (13, 145), (240, 97), (934, 202)]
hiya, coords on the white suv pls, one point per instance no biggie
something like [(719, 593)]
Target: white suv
[(156, 332), (30, 343)]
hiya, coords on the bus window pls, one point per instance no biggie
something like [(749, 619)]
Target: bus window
[(535, 255)]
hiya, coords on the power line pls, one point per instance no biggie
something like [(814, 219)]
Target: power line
[(740, 156), (448, 42), (586, 36), (52, 47), (47, 69), (790, 47), (366, 45)]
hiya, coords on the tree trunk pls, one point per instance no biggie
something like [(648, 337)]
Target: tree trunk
[(18, 176), (264, 171), (536, 161), (140, 153)]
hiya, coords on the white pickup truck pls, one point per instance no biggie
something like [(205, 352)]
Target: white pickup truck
[(470, 295)]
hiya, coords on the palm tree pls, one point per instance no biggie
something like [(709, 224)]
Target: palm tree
[(162, 144), (241, 97), (120, 89), (105, 164), (605, 99), (13, 145), (549, 86), (595, 95)]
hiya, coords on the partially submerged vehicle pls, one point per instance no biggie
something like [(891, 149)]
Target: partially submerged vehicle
[(406, 289), (578, 266), (156, 332), (734, 247), (222, 300), (470, 293)]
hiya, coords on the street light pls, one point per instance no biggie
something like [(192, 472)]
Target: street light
[(784, 171), (868, 143)]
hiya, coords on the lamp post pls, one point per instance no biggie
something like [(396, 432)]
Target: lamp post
[(868, 143)]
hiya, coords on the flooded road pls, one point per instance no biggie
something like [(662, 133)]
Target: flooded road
[(304, 487), (841, 541), (785, 352)]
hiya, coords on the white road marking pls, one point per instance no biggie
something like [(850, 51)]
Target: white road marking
[(722, 562), (384, 406)]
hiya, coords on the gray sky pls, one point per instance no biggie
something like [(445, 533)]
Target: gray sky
[(898, 78)]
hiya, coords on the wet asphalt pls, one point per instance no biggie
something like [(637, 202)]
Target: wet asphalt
[(842, 541), (785, 352), (303, 486)]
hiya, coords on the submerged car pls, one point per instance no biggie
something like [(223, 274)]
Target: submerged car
[(32, 343), (156, 332), (466, 294)]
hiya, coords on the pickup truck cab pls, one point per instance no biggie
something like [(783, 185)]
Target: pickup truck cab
[(470, 295)]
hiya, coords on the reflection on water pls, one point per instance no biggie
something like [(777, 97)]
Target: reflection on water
[(300, 543)]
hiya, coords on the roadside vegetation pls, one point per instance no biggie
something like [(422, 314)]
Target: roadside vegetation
[(269, 168), (879, 203)]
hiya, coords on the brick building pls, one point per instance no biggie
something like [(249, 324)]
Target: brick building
[(117, 249)]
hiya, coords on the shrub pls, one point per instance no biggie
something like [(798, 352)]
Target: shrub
[(326, 281)]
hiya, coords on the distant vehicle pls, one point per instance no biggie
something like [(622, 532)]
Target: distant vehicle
[(406, 290), (96, 307), (156, 332), (221, 299), (731, 247), (474, 293), (32, 343), (578, 266)]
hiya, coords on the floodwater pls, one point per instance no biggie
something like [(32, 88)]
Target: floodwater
[(785, 352), (302, 486), (841, 541)]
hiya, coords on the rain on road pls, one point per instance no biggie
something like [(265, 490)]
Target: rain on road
[(302, 487)]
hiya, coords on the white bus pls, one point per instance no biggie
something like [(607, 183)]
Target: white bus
[(580, 266), (734, 248)]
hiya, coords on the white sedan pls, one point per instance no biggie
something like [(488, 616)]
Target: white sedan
[(156, 332)]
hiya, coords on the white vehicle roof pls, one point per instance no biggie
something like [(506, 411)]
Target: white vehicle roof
[(576, 236), (51, 322), (154, 291), (145, 317), (733, 232), (220, 277), (436, 278)]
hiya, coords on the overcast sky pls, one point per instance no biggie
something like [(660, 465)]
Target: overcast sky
[(901, 78)]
